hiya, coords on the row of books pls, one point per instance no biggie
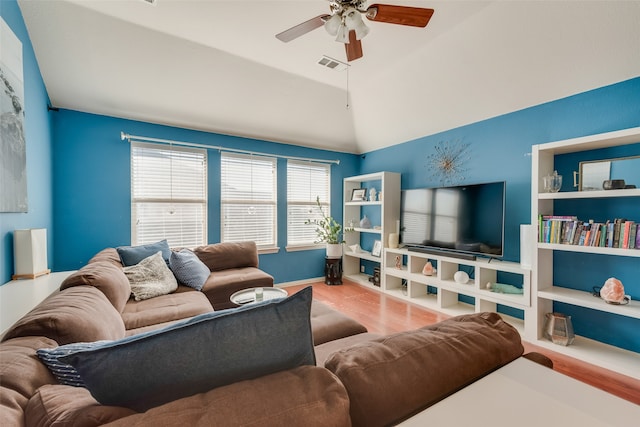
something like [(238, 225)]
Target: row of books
[(617, 233)]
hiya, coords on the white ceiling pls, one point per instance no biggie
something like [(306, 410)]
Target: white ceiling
[(216, 65)]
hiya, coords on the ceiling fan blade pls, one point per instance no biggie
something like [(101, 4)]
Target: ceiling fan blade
[(303, 28), (354, 47), (402, 15)]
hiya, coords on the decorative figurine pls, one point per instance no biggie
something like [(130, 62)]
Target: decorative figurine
[(504, 289), (365, 223), (398, 263), (428, 269), (372, 195)]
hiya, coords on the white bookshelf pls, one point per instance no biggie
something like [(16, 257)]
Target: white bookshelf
[(389, 213), (545, 290), (441, 292)]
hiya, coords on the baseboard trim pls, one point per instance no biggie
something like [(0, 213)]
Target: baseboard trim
[(300, 282)]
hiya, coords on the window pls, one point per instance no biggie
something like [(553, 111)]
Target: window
[(248, 197), (306, 181), (168, 195)]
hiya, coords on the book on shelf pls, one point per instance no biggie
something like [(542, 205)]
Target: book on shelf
[(616, 232), (569, 230), (610, 230)]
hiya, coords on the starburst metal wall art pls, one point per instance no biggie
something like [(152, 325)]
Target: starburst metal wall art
[(447, 163)]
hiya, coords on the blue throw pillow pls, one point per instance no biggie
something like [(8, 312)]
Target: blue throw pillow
[(65, 373), (202, 353), (188, 269), (131, 255)]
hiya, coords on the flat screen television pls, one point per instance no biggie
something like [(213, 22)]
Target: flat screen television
[(462, 220)]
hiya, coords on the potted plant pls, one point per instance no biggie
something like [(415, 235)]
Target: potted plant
[(329, 231)]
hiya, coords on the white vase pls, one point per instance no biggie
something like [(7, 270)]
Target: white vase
[(334, 250), (394, 240)]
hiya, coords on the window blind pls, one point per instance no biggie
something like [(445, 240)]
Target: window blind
[(306, 182), (248, 198), (168, 195)]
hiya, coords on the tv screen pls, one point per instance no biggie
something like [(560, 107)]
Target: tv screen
[(461, 219)]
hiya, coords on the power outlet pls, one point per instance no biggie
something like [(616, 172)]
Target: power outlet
[(362, 269)]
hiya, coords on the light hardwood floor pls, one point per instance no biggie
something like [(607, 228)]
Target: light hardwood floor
[(384, 314)]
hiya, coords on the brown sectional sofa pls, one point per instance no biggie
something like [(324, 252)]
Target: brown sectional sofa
[(360, 379), (233, 266)]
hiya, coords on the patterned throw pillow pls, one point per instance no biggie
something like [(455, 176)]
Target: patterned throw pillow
[(65, 373), (150, 278), (188, 269)]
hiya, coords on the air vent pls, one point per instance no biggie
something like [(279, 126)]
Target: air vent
[(332, 64)]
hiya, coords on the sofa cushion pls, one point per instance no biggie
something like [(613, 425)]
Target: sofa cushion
[(107, 277), (222, 284), (396, 376), (131, 255), (150, 278), (108, 255), (188, 269), (65, 406), (306, 395), (325, 350), (21, 374), (78, 314), (202, 353), (165, 308), (223, 256), (65, 373), (328, 324)]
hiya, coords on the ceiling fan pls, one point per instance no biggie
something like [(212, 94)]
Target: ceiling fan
[(345, 22)]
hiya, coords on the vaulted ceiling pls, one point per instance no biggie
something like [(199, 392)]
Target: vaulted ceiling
[(217, 66)]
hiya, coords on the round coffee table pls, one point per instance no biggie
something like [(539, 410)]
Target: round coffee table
[(248, 296)]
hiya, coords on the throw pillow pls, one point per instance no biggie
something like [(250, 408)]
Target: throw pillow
[(65, 373), (188, 269), (150, 278), (200, 354), (131, 255)]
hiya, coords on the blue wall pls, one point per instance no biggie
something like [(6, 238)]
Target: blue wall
[(78, 176), (38, 134), (93, 191), (499, 149)]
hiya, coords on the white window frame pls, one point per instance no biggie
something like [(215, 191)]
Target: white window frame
[(177, 182), (305, 198), (261, 193)]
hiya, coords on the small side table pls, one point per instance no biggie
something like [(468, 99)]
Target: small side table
[(333, 271), (248, 296)]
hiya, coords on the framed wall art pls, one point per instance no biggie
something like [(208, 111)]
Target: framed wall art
[(359, 195)]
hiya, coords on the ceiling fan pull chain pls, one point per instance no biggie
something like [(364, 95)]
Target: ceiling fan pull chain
[(348, 106)]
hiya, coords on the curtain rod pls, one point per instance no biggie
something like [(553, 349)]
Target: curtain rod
[(132, 138)]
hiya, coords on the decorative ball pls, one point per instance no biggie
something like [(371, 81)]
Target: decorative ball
[(461, 277), (612, 291)]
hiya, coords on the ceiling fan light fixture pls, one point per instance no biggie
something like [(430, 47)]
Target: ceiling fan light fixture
[(359, 26), (333, 24), (343, 34)]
